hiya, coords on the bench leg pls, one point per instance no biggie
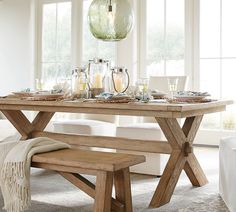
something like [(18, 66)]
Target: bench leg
[(123, 188), (103, 192)]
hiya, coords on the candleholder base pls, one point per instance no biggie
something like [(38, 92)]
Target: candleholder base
[(96, 91)]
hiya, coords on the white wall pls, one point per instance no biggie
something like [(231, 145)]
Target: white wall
[(16, 52)]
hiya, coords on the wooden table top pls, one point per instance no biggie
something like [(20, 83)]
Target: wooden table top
[(137, 109)]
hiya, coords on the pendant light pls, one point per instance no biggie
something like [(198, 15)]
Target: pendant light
[(110, 20)]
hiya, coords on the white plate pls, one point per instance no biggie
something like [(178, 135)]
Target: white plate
[(23, 94), (182, 97), (158, 94)]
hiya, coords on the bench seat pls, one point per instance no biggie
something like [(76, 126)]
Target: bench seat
[(87, 159), (106, 166)]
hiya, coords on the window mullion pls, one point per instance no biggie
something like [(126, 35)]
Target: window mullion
[(56, 42), (221, 65), (39, 13), (77, 33), (196, 44), (165, 40)]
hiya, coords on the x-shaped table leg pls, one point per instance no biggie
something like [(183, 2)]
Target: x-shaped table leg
[(182, 157), (24, 126)]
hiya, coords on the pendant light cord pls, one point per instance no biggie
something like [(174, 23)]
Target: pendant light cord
[(110, 7)]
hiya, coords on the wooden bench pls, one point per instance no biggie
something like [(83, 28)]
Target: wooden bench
[(70, 163)]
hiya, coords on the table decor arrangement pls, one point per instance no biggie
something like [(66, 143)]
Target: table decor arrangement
[(179, 137), (99, 82)]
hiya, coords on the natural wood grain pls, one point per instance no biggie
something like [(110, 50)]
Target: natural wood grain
[(169, 179), (180, 141), (102, 164), (79, 181), (167, 130), (136, 109), (182, 157), (89, 159), (191, 127), (198, 112), (23, 125), (104, 184), (61, 168), (41, 120), (123, 188), (109, 142), (19, 121), (194, 171), (176, 131), (89, 188), (130, 106)]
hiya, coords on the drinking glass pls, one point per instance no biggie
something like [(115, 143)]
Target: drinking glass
[(173, 85), (143, 87), (39, 84)]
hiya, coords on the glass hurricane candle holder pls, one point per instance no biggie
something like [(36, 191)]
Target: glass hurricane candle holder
[(120, 79), (98, 71)]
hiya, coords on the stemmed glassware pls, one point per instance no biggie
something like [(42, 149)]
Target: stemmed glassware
[(173, 86), (143, 87)]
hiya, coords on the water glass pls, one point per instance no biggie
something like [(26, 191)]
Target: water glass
[(173, 85), (143, 87)]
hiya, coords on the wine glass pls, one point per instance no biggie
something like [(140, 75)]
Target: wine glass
[(143, 87), (173, 86)]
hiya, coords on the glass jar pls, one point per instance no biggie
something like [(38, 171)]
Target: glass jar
[(79, 82), (120, 79), (98, 70)]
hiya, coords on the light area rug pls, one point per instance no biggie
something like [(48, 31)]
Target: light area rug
[(52, 193)]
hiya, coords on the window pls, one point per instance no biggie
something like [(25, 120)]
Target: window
[(218, 57), (165, 37), (55, 51), (157, 45)]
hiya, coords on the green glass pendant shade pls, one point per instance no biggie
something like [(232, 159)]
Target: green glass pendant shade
[(110, 20)]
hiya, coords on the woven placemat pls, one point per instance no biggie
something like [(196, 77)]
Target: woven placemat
[(116, 101), (190, 101)]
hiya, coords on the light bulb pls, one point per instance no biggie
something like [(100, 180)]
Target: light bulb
[(111, 18)]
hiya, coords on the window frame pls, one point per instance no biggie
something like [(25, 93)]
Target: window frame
[(132, 51), (192, 62), (39, 35)]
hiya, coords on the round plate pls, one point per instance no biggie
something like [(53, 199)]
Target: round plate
[(45, 97), (189, 98), (159, 95), (57, 95), (23, 94)]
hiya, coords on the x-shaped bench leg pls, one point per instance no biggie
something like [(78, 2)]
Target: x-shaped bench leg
[(182, 157)]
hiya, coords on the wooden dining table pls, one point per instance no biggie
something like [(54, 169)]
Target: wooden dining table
[(179, 144)]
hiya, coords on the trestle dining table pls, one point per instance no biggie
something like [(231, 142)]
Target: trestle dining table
[(179, 144)]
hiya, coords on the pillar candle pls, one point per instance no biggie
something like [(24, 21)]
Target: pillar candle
[(119, 84), (97, 83)]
